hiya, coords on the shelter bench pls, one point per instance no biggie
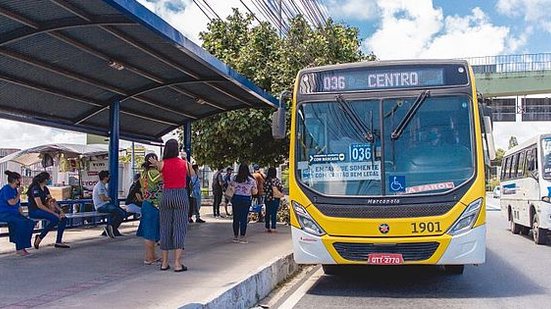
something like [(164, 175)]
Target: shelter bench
[(75, 218)]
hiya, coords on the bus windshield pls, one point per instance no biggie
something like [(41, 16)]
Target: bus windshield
[(433, 154)]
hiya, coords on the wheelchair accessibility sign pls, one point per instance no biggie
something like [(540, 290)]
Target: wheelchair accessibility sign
[(397, 183)]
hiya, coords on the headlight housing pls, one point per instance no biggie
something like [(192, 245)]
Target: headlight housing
[(307, 223), (467, 218)]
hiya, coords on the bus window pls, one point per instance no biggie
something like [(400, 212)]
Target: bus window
[(530, 161), (505, 168), (513, 167), (546, 157), (520, 169)]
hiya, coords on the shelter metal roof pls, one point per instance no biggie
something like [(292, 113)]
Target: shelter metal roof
[(63, 62), (31, 156)]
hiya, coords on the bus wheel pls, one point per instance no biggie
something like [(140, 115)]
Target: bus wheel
[(515, 228), (539, 234), (524, 230), (332, 270), (454, 269)]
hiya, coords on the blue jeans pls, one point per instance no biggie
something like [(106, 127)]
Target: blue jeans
[(117, 214), (240, 205), (53, 220), (271, 213), (20, 229)]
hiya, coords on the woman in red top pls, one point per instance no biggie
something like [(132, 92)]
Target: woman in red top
[(174, 205)]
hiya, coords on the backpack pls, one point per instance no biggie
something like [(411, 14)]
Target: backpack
[(215, 183), (131, 197)]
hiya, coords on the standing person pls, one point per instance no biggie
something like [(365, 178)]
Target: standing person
[(272, 203), (151, 184), (134, 198), (20, 228), (259, 197), (103, 203), (195, 185), (174, 204), (227, 180), (217, 191), (245, 188), (37, 194)]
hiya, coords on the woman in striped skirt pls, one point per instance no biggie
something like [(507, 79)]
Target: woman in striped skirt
[(174, 206)]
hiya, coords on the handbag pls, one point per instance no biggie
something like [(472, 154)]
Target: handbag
[(230, 191), (276, 193)]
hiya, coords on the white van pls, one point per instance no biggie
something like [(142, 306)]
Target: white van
[(526, 187)]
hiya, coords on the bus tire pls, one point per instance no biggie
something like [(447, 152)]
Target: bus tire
[(331, 270), (454, 269), (524, 230), (538, 234), (515, 228)]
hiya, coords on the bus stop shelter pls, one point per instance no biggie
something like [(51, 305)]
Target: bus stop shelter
[(112, 68)]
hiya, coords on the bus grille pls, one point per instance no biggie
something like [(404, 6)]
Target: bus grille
[(410, 251), (394, 211)]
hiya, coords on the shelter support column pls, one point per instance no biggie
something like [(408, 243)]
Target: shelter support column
[(114, 130), (187, 139)]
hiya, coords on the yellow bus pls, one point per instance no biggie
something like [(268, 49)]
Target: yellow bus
[(387, 165)]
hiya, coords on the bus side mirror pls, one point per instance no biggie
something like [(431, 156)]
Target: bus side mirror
[(279, 126), (489, 135)]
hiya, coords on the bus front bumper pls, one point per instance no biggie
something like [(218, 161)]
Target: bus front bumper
[(466, 248)]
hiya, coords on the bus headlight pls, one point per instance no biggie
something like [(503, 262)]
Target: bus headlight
[(467, 218), (307, 223)]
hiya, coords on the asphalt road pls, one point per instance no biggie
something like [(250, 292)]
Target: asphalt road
[(517, 273)]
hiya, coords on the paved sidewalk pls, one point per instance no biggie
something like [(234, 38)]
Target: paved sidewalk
[(101, 272)]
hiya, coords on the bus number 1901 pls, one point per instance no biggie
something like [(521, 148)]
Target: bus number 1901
[(422, 227)]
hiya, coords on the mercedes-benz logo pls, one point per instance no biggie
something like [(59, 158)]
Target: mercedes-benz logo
[(384, 228)]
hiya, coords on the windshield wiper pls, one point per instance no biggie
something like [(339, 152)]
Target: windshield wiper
[(355, 119), (409, 115)]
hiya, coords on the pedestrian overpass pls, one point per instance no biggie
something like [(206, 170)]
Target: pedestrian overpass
[(515, 76)]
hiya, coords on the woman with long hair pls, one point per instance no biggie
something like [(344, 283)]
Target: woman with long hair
[(244, 186), (152, 189), (20, 227), (174, 206), (38, 195), (272, 203)]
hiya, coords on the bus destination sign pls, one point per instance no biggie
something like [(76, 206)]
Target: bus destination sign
[(358, 79)]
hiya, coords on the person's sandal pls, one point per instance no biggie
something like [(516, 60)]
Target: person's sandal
[(152, 262), (163, 269), (184, 268), (37, 241), (62, 245)]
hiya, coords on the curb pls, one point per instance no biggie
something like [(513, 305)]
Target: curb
[(251, 290)]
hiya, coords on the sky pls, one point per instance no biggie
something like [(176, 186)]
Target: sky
[(391, 29)]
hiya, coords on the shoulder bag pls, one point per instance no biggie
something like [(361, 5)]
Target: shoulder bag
[(276, 193)]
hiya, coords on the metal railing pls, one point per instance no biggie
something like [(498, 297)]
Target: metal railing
[(511, 63)]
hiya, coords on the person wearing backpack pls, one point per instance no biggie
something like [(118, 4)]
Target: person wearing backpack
[(273, 190), (217, 191)]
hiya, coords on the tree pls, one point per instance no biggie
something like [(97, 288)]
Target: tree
[(499, 156), (271, 62), (512, 142)]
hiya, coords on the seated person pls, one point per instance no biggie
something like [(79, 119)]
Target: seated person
[(37, 195), (20, 227), (103, 203), (134, 199)]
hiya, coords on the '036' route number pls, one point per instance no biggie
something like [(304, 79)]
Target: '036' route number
[(422, 227)]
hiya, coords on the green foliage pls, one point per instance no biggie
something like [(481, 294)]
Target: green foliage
[(499, 156), (272, 63)]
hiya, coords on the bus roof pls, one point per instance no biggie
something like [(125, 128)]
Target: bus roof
[(531, 141)]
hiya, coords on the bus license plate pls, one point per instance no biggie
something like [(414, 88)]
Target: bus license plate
[(385, 259)]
